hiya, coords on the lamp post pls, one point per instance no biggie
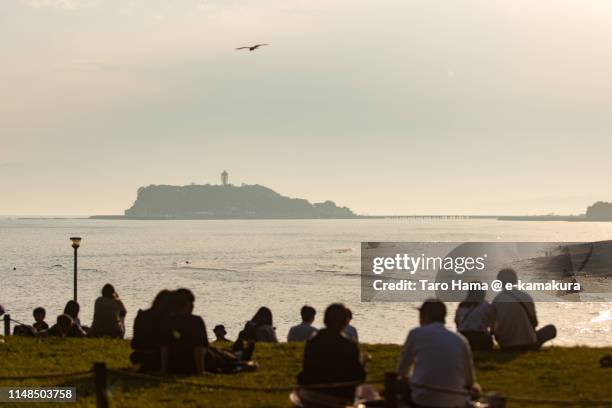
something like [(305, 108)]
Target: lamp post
[(76, 243)]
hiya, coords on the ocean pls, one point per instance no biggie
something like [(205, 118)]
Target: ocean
[(235, 266)]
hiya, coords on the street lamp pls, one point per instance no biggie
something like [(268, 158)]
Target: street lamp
[(76, 243)]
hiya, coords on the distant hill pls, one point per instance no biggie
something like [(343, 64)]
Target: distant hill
[(600, 211), (226, 202)]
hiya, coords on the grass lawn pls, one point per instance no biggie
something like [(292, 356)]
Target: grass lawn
[(553, 373)]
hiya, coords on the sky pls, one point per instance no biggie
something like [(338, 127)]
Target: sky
[(387, 107)]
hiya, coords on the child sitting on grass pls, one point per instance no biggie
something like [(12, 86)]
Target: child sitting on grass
[(39, 319)]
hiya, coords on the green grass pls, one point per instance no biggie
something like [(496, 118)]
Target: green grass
[(553, 373)]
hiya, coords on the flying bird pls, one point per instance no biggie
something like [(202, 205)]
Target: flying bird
[(252, 48)]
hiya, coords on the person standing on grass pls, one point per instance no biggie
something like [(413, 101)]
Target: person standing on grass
[(329, 357), (515, 317), (304, 330), (184, 336), (437, 357), (109, 315)]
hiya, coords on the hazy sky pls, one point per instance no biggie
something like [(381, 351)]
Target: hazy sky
[(431, 106)]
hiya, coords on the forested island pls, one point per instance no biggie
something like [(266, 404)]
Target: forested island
[(225, 201)]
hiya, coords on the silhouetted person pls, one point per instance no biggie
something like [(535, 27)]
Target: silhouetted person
[(330, 357), (39, 319), (304, 330), (109, 314), (65, 327), (435, 356), (147, 336), (185, 339), (260, 327), (220, 339), (474, 318), (350, 331), (264, 329), (72, 309), (516, 319)]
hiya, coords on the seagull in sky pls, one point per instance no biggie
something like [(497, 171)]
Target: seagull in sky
[(252, 48)]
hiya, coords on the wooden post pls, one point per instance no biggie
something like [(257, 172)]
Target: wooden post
[(391, 389), (7, 325), (100, 382)]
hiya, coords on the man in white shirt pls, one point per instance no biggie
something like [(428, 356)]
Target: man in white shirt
[(304, 330), (435, 356), (516, 319)]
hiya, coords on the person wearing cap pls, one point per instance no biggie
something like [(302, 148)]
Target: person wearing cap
[(436, 357), (220, 333)]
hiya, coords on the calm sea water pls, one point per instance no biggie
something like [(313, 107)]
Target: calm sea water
[(234, 267)]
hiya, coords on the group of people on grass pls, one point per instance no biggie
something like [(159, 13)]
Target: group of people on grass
[(169, 338), (108, 319)]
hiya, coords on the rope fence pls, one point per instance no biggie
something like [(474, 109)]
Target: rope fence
[(47, 376), (391, 383)]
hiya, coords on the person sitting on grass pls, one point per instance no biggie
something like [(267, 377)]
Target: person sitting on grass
[(72, 309), (515, 317), (184, 336), (39, 319), (350, 331), (474, 319), (65, 327), (147, 336), (258, 329), (109, 315), (220, 340), (436, 357), (329, 357), (304, 330)]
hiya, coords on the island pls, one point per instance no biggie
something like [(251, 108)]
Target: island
[(599, 211), (224, 201)]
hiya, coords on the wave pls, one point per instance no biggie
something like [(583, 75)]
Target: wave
[(339, 273), (333, 266), (257, 263), (206, 268), (602, 316)]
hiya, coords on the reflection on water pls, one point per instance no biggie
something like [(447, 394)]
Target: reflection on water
[(235, 266)]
